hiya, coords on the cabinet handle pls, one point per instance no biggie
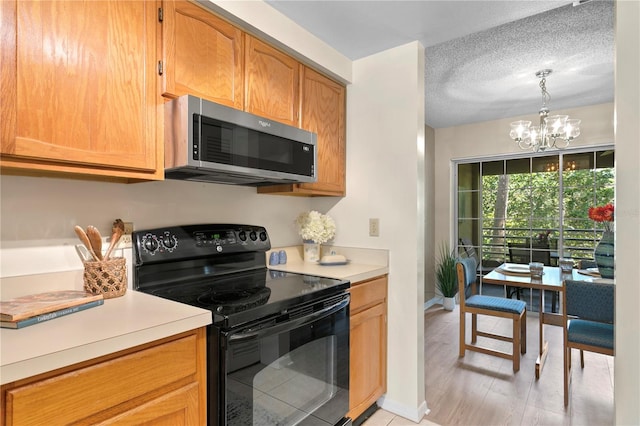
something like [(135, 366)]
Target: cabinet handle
[(160, 70)]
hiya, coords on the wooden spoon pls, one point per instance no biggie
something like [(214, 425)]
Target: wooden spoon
[(115, 237), (96, 240), (85, 240)]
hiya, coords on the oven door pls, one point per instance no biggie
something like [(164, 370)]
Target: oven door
[(289, 372)]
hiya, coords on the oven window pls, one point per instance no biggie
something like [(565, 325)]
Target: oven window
[(294, 377)]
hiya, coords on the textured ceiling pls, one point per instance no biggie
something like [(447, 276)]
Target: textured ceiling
[(481, 56)]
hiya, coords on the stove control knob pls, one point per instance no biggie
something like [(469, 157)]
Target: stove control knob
[(218, 249), (263, 236), (150, 243), (169, 241), (242, 235), (253, 235)]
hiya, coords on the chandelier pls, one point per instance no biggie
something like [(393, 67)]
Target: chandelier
[(555, 131)]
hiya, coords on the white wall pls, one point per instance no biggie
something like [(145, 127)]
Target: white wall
[(37, 215), (385, 180), (627, 111), (431, 248)]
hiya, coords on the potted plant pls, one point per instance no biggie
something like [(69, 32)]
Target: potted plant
[(446, 278)]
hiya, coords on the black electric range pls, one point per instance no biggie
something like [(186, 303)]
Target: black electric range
[(264, 321), (222, 268)]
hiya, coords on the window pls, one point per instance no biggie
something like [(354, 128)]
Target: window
[(534, 207)]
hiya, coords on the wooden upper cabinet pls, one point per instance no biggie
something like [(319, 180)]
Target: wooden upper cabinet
[(272, 82), (79, 87), (202, 55), (322, 112)]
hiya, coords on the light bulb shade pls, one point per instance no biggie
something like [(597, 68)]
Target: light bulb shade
[(519, 130), (555, 124), (534, 134), (572, 129)]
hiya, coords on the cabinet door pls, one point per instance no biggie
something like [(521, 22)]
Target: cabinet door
[(368, 358), (179, 407), (323, 112), (271, 80), (85, 87), (202, 55)]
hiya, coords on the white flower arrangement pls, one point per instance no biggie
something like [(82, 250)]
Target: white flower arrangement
[(316, 227)]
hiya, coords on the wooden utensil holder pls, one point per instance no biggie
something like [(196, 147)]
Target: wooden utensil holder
[(108, 278)]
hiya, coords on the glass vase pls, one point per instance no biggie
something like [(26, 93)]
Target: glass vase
[(311, 251), (604, 255)]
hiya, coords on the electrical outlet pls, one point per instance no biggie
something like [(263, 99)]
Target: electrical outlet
[(125, 240), (128, 228), (374, 227)]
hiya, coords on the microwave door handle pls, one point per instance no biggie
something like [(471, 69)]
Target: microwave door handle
[(289, 325)]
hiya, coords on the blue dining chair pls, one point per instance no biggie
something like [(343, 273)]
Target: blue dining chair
[(588, 322), (475, 304)]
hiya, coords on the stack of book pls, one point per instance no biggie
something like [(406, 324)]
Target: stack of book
[(36, 308)]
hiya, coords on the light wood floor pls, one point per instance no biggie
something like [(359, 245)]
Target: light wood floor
[(481, 389)]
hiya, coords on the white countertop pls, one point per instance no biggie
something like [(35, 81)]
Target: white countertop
[(120, 323), (363, 264)]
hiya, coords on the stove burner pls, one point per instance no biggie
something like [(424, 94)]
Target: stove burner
[(227, 302), (184, 292)]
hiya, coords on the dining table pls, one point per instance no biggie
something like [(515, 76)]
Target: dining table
[(517, 275)]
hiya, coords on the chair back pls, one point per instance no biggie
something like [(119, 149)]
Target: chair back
[(466, 269), (468, 249), (523, 253), (587, 263), (592, 301)]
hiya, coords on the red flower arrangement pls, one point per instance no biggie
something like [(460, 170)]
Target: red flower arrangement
[(602, 214)]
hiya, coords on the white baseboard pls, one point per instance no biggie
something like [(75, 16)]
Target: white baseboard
[(413, 414), (437, 300)]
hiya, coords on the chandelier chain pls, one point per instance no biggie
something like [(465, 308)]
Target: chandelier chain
[(546, 97)]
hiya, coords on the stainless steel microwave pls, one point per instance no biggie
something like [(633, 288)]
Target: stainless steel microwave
[(209, 142)]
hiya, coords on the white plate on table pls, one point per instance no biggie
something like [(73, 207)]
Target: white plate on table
[(515, 269)]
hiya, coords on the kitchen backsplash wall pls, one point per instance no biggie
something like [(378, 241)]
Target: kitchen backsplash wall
[(37, 215)]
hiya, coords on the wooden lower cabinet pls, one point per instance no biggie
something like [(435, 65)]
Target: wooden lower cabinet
[(161, 383), (368, 340)]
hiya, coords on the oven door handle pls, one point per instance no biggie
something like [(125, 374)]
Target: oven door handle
[(258, 332)]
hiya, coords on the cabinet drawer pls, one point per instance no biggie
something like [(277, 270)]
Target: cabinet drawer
[(73, 396), (179, 407), (368, 293)]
